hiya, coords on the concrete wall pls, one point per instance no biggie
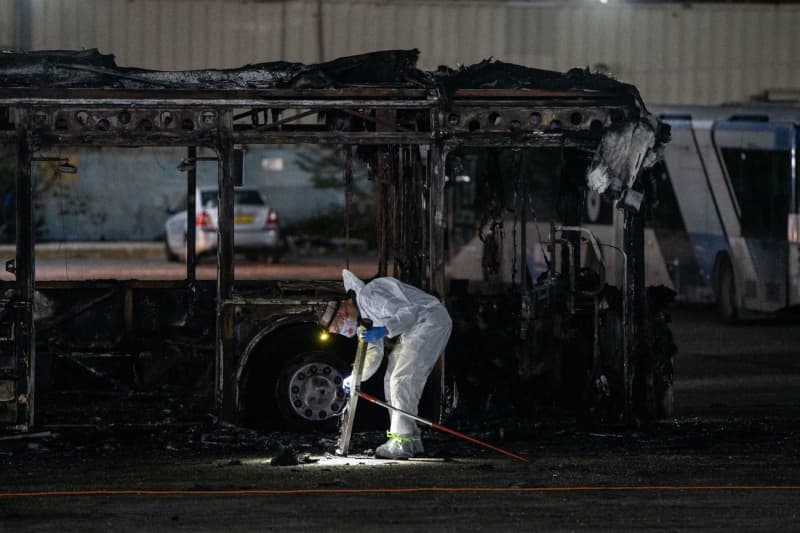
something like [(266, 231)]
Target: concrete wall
[(127, 194), (7, 24)]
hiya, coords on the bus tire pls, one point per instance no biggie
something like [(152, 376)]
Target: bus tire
[(726, 293), (292, 380), (302, 410)]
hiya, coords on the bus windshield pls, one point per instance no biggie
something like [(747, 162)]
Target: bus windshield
[(761, 181)]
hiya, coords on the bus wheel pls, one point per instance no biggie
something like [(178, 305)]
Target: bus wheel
[(726, 297), (293, 380), (309, 392)]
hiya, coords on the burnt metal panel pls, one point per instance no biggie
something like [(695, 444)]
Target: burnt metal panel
[(25, 272), (633, 306), (224, 375), (8, 401)]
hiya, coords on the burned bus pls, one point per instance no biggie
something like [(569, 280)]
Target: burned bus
[(250, 350)]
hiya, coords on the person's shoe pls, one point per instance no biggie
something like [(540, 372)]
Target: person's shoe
[(398, 447)]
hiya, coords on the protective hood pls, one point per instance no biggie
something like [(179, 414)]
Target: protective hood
[(351, 282)]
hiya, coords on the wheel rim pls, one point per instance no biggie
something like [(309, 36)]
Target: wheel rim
[(315, 391)]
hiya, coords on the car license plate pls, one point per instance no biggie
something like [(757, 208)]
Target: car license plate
[(242, 219)]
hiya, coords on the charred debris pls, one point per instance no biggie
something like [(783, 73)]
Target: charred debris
[(579, 332)]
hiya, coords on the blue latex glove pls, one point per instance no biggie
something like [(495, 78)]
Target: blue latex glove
[(373, 334), (347, 384)]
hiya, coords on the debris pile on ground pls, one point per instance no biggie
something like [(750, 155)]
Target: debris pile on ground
[(227, 445)]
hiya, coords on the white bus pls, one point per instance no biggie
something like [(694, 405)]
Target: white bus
[(725, 211)]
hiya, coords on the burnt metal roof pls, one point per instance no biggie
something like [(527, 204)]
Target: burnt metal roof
[(67, 97), (91, 69)]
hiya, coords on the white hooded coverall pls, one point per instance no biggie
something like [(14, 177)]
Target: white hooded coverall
[(423, 325)]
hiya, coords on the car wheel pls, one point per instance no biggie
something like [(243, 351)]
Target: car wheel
[(308, 391), (171, 257), (726, 296), (664, 350)]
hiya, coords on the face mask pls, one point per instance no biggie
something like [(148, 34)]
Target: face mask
[(348, 328)]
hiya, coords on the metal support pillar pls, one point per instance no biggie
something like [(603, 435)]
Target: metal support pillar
[(437, 157), (347, 177), (191, 217), (25, 346), (422, 220), (224, 382), (409, 206), (633, 291), (436, 219), (402, 219), (572, 210), (382, 220), (523, 192)]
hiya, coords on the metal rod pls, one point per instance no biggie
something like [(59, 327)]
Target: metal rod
[(287, 120), (77, 311), (157, 99), (440, 427), (205, 138), (523, 244), (375, 120)]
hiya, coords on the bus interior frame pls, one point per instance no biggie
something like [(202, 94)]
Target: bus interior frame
[(397, 114)]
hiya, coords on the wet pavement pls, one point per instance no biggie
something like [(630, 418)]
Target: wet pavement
[(729, 460)]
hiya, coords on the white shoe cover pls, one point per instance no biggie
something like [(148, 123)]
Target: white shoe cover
[(399, 447)]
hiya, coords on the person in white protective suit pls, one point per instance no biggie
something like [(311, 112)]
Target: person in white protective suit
[(423, 326)]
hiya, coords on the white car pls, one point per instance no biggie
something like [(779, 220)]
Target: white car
[(256, 230)]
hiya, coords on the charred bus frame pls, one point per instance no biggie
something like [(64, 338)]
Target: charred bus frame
[(394, 116)]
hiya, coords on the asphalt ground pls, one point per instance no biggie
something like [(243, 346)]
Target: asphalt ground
[(728, 460), (703, 474)]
